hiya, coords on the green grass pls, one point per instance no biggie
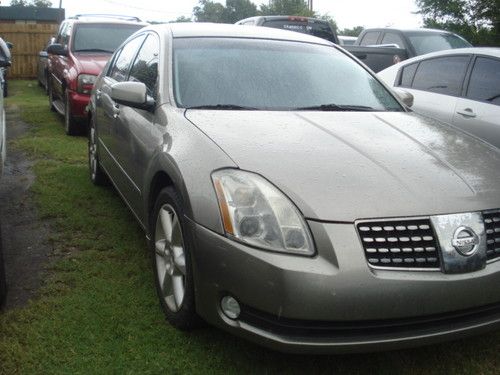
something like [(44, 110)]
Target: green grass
[(97, 313)]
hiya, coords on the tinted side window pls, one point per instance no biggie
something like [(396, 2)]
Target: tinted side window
[(393, 38), (407, 74), (484, 82), (370, 38), (145, 68), (442, 75), (121, 64)]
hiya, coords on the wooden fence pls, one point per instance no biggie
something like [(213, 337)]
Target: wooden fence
[(28, 40)]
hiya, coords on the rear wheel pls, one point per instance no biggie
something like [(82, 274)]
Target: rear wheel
[(172, 261), (97, 175)]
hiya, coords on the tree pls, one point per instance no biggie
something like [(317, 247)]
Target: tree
[(476, 20), (355, 31), (182, 19), (286, 8), (32, 3), (236, 10), (208, 11)]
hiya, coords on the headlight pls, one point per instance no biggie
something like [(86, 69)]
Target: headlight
[(86, 83), (257, 213)]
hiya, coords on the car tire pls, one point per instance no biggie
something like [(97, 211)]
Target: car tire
[(97, 174), (70, 126), (171, 255)]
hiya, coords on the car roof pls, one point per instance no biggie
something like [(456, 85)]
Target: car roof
[(489, 51), (410, 30), (201, 29)]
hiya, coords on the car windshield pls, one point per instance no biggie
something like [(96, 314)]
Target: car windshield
[(101, 37), (426, 43), (232, 73), (311, 27)]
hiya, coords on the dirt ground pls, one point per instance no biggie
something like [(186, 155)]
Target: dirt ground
[(25, 238)]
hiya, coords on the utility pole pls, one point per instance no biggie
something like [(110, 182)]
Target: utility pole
[(310, 4)]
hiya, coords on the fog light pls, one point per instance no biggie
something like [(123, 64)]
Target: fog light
[(230, 307)]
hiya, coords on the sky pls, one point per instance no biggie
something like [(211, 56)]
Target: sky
[(347, 14)]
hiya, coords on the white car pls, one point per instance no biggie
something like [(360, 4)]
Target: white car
[(460, 87)]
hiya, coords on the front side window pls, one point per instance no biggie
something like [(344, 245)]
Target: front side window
[(407, 74), (101, 37), (122, 62), (443, 75), (272, 75), (145, 68), (484, 84)]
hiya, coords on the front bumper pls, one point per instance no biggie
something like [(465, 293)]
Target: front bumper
[(78, 103), (333, 302)]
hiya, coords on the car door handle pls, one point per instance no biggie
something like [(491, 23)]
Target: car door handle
[(98, 94), (467, 112), (116, 111)]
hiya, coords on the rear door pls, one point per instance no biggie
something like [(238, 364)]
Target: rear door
[(478, 112)]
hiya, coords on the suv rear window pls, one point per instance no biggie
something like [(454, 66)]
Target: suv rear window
[(311, 27), (101, 37)]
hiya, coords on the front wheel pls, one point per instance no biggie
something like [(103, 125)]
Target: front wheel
[(172, 261)]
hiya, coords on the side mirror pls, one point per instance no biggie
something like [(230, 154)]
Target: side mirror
[(132, 94), (10, 45), (405, 97), (43, 54), (57, 49), (5, 63)]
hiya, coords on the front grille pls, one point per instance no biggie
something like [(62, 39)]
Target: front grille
[(400, 243), (492, 227)]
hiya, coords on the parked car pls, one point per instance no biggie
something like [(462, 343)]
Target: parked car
[(5, 58), (42, 65), (4, 63), (82, 47), (377, 58), (347, 40), (290, 198), (416, 42), (460, 87)]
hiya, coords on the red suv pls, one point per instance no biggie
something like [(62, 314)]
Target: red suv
[(82, 48)]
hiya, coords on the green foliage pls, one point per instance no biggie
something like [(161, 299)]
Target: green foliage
[(355, 31), (208, 11), (286, 8), (235, 10), (182, 19), (476, 20), (31, 3)]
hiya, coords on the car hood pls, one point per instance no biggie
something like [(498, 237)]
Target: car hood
[(343, 166), (91, 63)]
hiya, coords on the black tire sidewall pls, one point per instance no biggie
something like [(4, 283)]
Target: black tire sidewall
[(186, 318)]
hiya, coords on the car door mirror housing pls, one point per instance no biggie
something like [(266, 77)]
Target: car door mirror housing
[(43, 54), (57, 49), (4, 63), (132, 94), (405, 97)]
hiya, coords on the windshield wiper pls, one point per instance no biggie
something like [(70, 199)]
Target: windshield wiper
[(335, 107), (224, 107), (93, 50)]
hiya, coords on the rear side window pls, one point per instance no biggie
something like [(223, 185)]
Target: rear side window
[(484, 84), (442, 75), (393, 38), (407, 74), (121, 64), (311, 27), (370, 38)]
